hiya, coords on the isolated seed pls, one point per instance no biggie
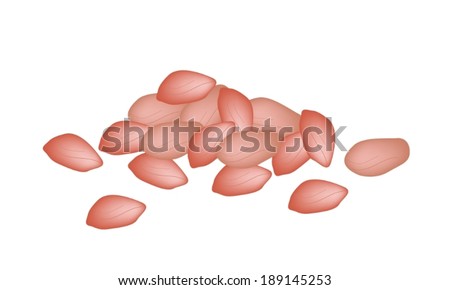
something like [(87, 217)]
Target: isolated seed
[(231, 181), (290, 156), (235, 107), (205, 145), (73, 152), (150, 111), (182, 87), (316, 196), (164, 141), (247, 148), (377, 156), (114, 211), (123, 137), (279, 116), (318, 136), (165, 174), (204, 112)]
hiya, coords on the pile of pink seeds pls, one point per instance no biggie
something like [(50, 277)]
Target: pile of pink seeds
[(192, 115)]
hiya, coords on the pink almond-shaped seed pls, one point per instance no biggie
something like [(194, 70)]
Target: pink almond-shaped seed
[(318, 136), (150, 111), (316, 196), (204, 112), (183, 86), (231, 181), (375, 157), (164, 174), (235, 107), (247, 148), (114, 211), (281, 117), (123, 137), (165, 142), (291, 155), (73, 152), (204, 145)]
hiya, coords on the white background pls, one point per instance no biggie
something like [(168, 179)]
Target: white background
[(382, 68)]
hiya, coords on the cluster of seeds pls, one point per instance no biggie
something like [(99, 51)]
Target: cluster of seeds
[(192, 115)]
